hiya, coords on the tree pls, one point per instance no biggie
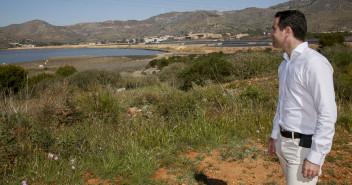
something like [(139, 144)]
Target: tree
[(12, 78)]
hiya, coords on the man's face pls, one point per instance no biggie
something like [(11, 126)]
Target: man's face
[(277, 35)]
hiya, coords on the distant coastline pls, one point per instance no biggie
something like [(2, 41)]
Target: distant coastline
[(166, 47), (125, 63)]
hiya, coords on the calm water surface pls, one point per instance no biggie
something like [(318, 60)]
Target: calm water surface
[(15, 56)]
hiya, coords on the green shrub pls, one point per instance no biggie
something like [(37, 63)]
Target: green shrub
[(161, 63), (65, 70), (343, 85), (205, 68), (131, 82), (92, 78), (40, 135), (101, 104), (346, 121), (176, 104), (340, 58), (14, 140), (255, 64), (12, 78), (170, 73), (254, 94), (267, 50), (331, 39), (70, 143), (343, 59), (40, 77)]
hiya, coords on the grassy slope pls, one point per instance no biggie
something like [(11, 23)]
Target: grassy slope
[(85, 122)]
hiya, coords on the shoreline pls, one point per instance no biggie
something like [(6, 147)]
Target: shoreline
[(127, 63), (167, 48)]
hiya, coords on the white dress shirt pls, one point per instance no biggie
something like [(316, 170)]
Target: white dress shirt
[(307, 99)]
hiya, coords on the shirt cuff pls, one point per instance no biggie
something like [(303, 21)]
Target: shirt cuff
[(315, 157), (274, 133)]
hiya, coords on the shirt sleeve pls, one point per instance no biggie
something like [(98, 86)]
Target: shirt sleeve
[(320, 86), (276, 128)]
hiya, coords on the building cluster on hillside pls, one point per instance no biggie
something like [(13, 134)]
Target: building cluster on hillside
[(190, 36), (158, 39), (193, 36), (22, 45), (203, 36)]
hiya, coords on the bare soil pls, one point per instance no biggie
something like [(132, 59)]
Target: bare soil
[(264, 169)]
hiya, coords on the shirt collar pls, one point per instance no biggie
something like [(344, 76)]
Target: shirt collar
[(299, 49)]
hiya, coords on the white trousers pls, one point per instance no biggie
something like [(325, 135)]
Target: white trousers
[(291, 157)]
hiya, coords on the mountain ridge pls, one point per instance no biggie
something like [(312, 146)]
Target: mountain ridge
[(322, 16)]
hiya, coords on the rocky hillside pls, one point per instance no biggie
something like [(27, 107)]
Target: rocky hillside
[(41, 31), (322, 15)]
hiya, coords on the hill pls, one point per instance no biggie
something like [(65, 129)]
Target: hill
[(322, 15), (41, 31)]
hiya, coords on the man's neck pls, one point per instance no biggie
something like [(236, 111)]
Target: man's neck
[(291, 46)]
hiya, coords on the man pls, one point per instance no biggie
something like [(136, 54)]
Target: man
[(304, 123)]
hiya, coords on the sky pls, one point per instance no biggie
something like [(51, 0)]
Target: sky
[(69, 12)]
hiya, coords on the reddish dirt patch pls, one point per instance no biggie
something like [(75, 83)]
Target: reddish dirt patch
[(261, 170), (162, 173), (246, 171), (92, 179)]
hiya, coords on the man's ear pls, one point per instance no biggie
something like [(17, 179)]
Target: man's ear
[(288, 30)]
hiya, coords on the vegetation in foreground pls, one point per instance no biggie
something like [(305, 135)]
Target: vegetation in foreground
[(60, 129)]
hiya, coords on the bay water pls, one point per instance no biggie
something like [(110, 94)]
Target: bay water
[(28, 55)]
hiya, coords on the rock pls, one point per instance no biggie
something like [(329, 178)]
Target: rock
[(133, 111), (120, 89)]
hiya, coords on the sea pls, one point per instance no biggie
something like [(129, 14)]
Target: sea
[(29, 55)]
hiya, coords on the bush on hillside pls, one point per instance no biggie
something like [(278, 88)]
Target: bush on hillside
[(14, 140), (331, 39), (38, 78), (255, 64), (170, 73), (12, 78), (161, 63), (175, 104), (65, 70), (92, 78), (205, 68), (340, 58)]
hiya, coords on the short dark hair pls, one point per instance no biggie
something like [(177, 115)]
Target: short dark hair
[(295, 20)]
